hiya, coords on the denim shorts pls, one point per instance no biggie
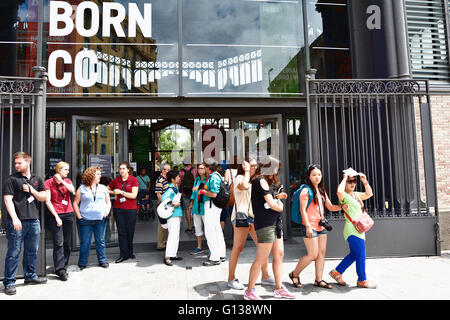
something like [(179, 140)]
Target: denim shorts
[(315, 233)]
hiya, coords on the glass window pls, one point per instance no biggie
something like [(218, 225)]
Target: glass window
[(120, 48), (328, 38), (241, 47), (56, 140), (18, 37)]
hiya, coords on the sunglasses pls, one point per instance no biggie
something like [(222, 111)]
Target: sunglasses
[(351, 181)]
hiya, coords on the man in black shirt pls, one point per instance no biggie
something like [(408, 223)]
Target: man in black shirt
[(22, 192)]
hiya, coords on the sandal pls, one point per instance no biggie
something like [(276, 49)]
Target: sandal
[(295, 284), (176, 258), (168, 262), (322, 284)]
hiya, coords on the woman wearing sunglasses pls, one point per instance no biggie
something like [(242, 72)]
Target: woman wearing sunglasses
[(356, 241)]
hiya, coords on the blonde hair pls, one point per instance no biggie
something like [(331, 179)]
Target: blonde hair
[(60, 165)]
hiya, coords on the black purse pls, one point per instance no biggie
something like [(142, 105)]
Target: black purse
[(242, 217)]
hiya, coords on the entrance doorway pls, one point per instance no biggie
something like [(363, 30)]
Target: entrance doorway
[(147, 142), (153, 142)]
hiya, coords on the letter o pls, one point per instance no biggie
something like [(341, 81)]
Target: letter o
[(92, 75)]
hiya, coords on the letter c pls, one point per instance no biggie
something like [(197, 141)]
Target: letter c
[(52, 68)]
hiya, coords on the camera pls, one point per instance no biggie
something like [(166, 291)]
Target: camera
[(324, 223)]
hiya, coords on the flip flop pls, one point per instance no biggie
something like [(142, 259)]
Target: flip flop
[(295, 284)]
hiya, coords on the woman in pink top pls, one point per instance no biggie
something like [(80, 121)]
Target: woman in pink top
[(314, 235)]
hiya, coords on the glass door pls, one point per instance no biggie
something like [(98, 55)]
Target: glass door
[(258, 136), (99, 142)]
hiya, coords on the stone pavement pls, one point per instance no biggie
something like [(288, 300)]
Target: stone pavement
[(147, 278)]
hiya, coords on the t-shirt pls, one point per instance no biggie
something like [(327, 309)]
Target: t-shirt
[(170, 192), (213, 183), (354, 211), (315, 211), (263, 217), (197, 204), (143, 182), (242, 198), (161, 184), (13, 186), (181, 173), (127, 185), (59, 194)]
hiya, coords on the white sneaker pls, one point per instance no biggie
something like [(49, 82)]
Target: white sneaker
[(234, 284), (270, 281)]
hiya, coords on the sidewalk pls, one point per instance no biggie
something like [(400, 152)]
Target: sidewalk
[(147, 278)]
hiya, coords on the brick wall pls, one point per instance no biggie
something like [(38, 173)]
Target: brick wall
[(440, 112)]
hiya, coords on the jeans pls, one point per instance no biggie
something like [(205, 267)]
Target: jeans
[(126, 223), (358, 254), (86, 228), (29, 235), (62, 240)]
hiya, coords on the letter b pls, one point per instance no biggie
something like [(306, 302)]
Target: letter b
[(56, 17)]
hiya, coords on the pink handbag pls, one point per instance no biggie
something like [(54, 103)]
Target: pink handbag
[(363, 223)]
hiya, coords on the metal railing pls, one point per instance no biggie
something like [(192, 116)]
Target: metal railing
[(22, 123), (375, 127)]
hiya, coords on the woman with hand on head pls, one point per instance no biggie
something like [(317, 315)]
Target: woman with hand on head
[(92, 206), (242, 193), (356, 241), (268, 226), (125, 187), (58, 202), (313, 231)]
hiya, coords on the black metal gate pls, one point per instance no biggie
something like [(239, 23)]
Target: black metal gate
[(22, 128), (382, 128)]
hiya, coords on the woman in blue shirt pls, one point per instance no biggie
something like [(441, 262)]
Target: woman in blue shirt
[(197, 208), (92, 206), (174, 221)]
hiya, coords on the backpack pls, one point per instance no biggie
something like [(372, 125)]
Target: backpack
[(221, 200), (295, 208), (188, 181)]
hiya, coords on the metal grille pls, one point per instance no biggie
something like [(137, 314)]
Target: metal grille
[(428, 39), (372, 126), (18, 97)]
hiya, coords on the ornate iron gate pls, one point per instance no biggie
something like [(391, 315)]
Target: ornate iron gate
[(22, 128), (382, 128)]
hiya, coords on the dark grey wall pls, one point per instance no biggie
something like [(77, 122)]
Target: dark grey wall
[(379, 53)]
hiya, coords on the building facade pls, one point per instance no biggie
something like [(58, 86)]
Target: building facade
[(144, 80)]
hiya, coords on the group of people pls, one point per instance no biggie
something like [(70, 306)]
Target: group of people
[(255, 211)]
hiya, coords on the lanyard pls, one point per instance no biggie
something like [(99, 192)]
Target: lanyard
[(94, 193), (63, 191), (126, 184)]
